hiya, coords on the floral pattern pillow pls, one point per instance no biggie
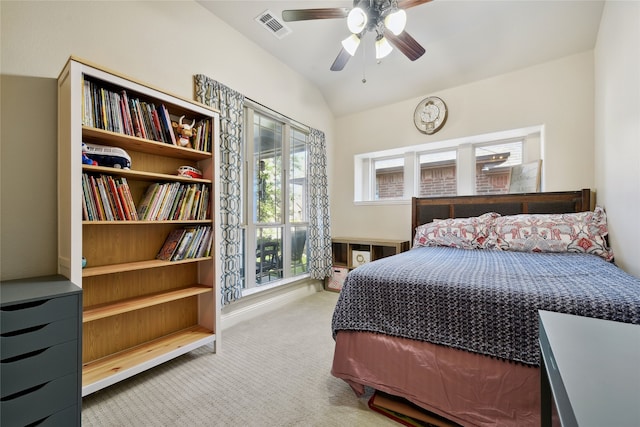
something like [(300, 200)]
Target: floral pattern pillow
[(583, 232), (464, 233)]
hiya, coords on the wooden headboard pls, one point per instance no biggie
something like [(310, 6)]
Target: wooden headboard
[(426, 209)]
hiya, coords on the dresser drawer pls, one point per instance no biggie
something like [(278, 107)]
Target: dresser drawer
[(36, 313), (35, 368), (37, 338), (65, 418), (40, 402)]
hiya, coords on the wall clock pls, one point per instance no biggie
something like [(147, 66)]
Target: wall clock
[(430, 115)]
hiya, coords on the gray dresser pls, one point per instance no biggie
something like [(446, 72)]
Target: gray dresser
[(40, 352)]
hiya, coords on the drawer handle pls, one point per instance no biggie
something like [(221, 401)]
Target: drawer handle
[(23, 392), (24, 331), (24, 356), (24, 305)]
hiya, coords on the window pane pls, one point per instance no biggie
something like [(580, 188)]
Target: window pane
[(493, 166), (243, 252), (438, 174), (268, 164), (389, 178), (298, 177), (298, 250), (268, 254)]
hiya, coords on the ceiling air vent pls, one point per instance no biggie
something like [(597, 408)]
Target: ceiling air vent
[(274, 25)]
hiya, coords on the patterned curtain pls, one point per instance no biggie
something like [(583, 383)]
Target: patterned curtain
[(320, 261), (231, 106)]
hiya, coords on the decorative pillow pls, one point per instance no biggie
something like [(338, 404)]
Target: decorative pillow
[(583, 232), (465, 233)]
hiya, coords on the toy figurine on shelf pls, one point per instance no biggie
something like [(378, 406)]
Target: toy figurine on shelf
[(184, 132), (85, 159)]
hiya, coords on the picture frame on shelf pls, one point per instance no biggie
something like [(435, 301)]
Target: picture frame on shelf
[(525, 178)]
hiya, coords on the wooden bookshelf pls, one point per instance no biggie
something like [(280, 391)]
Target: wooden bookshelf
[(138, 311)]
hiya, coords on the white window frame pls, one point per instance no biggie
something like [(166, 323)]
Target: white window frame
[(248, 227), (364, 176)]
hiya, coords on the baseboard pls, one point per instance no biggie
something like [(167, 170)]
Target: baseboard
[(263, 302)]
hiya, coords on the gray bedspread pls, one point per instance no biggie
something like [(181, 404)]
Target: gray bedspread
[(483, 301)]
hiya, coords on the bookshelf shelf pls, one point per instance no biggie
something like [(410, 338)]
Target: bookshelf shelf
[(143, 176), (176, 221), (105, 137), (133, 266), (109, 370), (122, 306), (138, 311)]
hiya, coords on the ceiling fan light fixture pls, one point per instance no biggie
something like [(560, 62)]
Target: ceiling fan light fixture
[(396, 21), (383, 48), (356, 20), (351, 43)]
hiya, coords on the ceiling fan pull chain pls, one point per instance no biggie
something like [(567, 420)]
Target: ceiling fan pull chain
[(364, 77)]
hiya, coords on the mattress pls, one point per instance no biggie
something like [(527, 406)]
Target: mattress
[(481, 301)]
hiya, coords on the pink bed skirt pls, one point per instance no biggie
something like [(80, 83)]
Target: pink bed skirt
[(464, 387)]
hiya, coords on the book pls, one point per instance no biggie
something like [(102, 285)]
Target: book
[(138, 130), (185, 210), (123, 187), (96, 199), (157, 201), (113, 190), (166, 120), (206, 241), (171, 244), (143, 206), (184, 244)]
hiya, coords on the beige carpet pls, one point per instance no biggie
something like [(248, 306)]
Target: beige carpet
[(272, 371)]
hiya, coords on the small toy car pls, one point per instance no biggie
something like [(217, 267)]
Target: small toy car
[(189, 171), (113, 157)]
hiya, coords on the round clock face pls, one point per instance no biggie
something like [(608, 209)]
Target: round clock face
[(430, 115)]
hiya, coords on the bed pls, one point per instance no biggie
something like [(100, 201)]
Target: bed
[(452, 324)]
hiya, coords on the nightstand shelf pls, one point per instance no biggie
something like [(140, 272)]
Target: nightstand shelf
[(344, 247), (351, 252)]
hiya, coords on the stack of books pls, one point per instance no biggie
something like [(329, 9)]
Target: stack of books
[(187, 243), (107, 198), (116, 111), (174, 201)]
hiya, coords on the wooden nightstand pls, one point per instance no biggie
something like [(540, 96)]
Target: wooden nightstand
[(351, 252)]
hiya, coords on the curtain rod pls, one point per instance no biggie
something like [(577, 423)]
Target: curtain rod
[(254, 103)]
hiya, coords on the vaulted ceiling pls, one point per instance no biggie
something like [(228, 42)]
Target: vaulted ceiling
[(465, 41)]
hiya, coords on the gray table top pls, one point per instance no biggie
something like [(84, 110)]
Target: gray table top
[(598, 362)]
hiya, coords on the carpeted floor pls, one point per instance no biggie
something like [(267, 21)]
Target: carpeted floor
[(271, 371)]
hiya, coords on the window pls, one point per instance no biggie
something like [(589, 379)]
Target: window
[(472, 165), (437, 174), (389, 175), (275, 228), (493, 166)]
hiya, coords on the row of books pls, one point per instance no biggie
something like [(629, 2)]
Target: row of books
[(117, 112), (107, 198), (175, 201), (187, 243), (202, 139)]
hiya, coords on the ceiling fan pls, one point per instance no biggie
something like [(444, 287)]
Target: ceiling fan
[(386, 17)]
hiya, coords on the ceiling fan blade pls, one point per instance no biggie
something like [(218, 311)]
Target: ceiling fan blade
[(307, 14), (405, 44), (406, 4), (341, 60)]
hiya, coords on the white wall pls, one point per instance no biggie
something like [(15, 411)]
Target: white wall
[(162, 43), (617, 128), (558, 95)]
